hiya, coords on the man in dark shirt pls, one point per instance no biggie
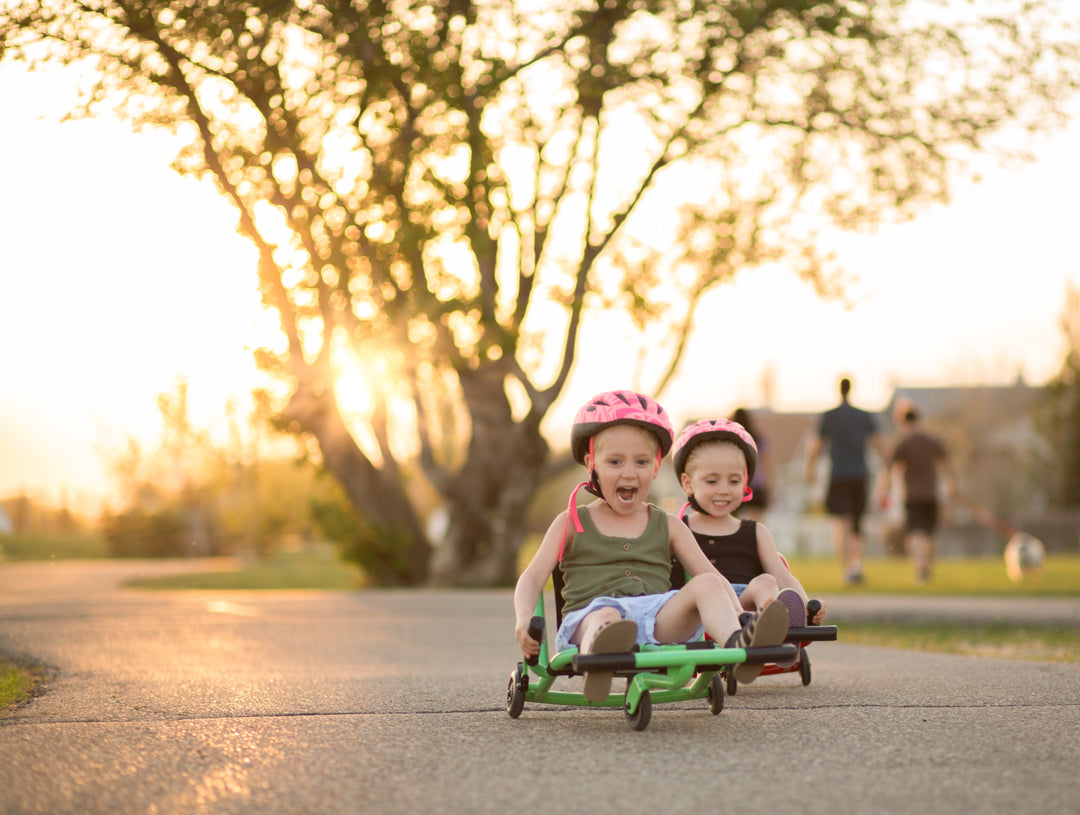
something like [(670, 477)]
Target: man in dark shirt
[(846, 430)]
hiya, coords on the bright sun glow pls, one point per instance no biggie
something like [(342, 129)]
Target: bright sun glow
[(354, 393), (361, 380)]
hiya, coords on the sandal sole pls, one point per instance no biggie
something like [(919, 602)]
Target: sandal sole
[(770, 629), (614, 638)]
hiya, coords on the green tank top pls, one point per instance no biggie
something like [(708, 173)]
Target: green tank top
[(598, 565)]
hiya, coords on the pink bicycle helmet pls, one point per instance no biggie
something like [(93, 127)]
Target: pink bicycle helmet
[(714, 429), (619, 407)]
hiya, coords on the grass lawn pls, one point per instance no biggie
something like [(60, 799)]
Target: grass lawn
[(53, 547), (315, 567), (969, 576), (1039, 643)]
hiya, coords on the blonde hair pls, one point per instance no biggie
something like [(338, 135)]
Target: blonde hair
[(654, 442), (699, 449)]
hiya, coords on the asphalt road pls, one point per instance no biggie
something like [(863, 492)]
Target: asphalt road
[(393, 702)]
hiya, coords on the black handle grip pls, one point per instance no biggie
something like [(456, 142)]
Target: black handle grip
[(812, 608), (536, 631)]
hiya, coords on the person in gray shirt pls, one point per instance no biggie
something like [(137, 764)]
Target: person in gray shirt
[(847, 431)]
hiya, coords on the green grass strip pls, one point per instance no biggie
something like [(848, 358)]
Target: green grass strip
[(1010, 641), (15, 684), (319, 568), (974, 577)]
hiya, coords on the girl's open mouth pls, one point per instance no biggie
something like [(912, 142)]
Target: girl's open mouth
[(626, 494)]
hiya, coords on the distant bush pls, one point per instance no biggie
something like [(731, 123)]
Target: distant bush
[(137, 533), (74, 546)]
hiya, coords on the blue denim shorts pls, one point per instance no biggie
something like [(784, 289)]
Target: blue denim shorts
[(642, 610)]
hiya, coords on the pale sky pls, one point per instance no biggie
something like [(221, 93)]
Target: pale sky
[(95, 323)]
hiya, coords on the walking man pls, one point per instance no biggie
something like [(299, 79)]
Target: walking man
[(922, 457), (846, 430)]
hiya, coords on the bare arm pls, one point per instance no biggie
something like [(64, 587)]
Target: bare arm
[(534, 578), (775, 565), (884, 485)]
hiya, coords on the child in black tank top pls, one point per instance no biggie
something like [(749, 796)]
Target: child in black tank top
[(715, 460)]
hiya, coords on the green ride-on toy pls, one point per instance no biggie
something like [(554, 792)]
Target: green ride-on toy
[(655, 674)]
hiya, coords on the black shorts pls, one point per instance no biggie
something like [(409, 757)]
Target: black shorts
[(922, 516), (847, 497)]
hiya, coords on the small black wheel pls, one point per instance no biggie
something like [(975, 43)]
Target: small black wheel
[(639, 719), (515, 691), (716, 695), (804, 666), (732, 682)]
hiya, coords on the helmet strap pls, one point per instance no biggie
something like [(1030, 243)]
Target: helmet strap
[(593, 484), (682, 513), (571, 512), (692, 502)]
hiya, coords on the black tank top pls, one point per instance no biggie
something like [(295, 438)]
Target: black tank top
[(735, 556)]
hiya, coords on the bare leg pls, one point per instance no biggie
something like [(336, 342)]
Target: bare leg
[(701, 601), (920, 548), (603, 631), (588, 628), (855, 553), (758, 592), (850, 549)]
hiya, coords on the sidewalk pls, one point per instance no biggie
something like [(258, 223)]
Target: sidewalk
[(909, 608)]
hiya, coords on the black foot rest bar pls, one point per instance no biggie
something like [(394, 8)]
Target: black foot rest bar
[(812, 633)]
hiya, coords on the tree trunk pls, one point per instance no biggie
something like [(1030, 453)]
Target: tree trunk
[(382, 505), (489, 498)]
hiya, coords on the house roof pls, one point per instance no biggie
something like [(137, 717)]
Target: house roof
[(1001, 401)]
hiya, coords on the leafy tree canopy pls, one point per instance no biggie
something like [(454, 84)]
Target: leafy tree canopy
[(440, 192)]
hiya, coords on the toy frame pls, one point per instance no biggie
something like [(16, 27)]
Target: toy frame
[(655, 673)]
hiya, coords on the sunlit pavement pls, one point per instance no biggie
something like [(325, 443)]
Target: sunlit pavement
[(393, 702)]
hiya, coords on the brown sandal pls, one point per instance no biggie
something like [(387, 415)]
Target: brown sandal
[(769, 627), (616, 637)]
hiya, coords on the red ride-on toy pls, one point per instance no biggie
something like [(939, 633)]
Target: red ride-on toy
[(801, 637)]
